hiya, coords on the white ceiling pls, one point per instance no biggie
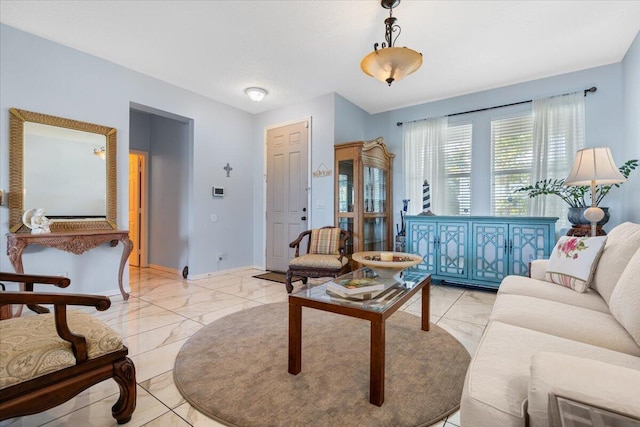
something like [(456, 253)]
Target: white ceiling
[(298, 50)]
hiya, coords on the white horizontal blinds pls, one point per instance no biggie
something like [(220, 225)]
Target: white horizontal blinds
[(512, 159), (457, 170)]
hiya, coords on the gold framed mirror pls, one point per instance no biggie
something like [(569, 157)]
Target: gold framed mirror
[(65, 166)]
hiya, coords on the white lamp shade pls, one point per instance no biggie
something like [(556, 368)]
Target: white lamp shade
[(594, 166), (391, 63)]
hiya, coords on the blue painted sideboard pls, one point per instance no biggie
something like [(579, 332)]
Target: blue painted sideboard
[(478, 250)]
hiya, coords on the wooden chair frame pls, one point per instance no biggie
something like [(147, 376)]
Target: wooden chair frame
[(306, 272), (52, 389)]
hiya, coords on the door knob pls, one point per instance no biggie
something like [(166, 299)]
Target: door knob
[(304, 218)]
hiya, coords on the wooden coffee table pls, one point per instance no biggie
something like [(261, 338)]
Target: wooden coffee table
[(376, 310)]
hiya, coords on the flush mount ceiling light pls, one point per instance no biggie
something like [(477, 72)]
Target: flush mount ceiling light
[(390, 63), (256, 94)]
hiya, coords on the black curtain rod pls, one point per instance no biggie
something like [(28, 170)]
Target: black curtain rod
[(590, 90)]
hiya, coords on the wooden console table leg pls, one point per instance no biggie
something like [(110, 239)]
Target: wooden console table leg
[(376, 369), (126, 251), (14, 250), (295, 338), (426, 294)]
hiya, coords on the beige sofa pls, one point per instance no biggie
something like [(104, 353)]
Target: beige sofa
[(544, 338)]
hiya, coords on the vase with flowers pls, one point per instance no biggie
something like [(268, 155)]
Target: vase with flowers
[(576, 196)]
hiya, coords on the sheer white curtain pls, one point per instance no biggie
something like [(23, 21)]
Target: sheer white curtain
[(423, 143), (558, 132)]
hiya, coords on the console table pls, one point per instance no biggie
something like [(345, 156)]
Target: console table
[(76, 242)]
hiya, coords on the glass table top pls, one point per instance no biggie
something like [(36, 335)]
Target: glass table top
[(394, 289)]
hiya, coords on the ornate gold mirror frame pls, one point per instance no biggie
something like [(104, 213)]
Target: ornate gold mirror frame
[(17, 118)]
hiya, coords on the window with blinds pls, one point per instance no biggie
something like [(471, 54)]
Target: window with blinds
[(457, 171), (512, 160)]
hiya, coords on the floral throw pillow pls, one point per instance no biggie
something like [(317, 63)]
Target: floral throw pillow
[(574, 260)]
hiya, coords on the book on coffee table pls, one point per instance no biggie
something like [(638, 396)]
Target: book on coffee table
[(354, 287)]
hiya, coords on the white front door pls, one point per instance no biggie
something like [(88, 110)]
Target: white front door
[(287, 191)]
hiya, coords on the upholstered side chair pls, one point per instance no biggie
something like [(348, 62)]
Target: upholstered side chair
[(46, 359), (325, 256)]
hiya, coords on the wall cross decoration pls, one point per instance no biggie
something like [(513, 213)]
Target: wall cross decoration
[(228, 169)]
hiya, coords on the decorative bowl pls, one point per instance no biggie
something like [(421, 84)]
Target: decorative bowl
[(386, 269)]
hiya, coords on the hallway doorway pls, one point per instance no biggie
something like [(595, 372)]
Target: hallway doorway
[(138, 161)]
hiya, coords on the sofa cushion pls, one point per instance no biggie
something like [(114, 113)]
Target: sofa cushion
[(622, 243), (496, 387), (565, 321), (325, 241), (518, 285), (625, 298), (574, 378), (30, 346), (318, 261), (574, 260)]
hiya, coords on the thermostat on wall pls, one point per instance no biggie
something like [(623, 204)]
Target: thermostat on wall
[(217, 192)]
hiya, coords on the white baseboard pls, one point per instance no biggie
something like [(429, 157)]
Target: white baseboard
[(165, 269)]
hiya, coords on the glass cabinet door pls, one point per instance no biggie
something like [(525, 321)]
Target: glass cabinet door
[(345, 186), (347, 224), (375, 234), (375, 190)]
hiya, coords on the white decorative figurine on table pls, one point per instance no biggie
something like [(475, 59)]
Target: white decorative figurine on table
[(36, 221)]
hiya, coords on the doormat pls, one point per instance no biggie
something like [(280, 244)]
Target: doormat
[(276, 276)]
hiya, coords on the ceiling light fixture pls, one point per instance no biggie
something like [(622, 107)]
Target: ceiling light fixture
[(100, 152), (390, 63), (256, 94)]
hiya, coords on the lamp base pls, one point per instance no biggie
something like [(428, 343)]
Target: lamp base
[(585, 231)]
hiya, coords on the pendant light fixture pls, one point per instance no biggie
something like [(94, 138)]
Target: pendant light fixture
[(390, 63)]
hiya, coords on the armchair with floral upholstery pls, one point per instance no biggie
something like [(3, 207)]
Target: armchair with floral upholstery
[(47, 359)]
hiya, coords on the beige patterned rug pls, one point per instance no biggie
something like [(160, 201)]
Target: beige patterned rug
[(235, 371)]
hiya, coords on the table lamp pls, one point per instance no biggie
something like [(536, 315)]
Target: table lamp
[(594, 166)]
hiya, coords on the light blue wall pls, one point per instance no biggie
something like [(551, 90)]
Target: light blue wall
[(350, 121), (43, 76), (603, 126), (168, 202), (140, 128), (631, 138)]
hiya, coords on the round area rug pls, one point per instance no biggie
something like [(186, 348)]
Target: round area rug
[(235, 371)]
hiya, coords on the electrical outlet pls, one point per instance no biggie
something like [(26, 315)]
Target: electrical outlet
[(220, 254)]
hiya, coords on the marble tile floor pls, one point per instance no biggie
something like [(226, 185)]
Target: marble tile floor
[(164, 310)]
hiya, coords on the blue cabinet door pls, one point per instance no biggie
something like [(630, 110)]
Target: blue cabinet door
[(528, 242), (452, 245), (421, 240), (490, 251)]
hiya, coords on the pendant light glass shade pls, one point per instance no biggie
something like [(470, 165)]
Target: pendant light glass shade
[(391, 63), (388, 63)]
